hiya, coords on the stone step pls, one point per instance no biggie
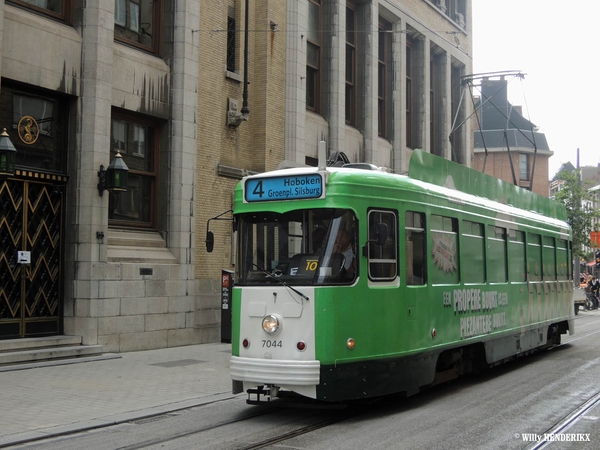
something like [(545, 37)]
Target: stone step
[(16, 354), (147, 255), (11, 345), (135, 239), (44, 354)]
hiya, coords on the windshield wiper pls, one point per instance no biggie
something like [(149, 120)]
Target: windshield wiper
[(274, 276)]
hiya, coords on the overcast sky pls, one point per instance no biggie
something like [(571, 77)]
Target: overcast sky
[(552, 42)]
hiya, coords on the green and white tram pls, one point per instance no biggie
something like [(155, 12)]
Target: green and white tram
[(354, 283)]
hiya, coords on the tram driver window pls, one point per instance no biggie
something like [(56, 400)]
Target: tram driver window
[(414, 236)]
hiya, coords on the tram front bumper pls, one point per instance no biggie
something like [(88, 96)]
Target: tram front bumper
[(276, 372)]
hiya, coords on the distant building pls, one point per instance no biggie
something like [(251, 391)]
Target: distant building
[(595, 204), (504, 128), (589, 174), (556, 182)]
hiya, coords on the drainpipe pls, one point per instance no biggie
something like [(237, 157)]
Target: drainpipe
[(245, 108)]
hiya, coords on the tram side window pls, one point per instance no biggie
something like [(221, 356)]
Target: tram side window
[(414, 237), (496, 255), (534, 257), (516, 250), (444, 250), (382, 258), (562, 260), (549, 258), (473, 252)]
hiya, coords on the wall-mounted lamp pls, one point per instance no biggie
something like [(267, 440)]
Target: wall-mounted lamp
[(114, 178), (8, 153)]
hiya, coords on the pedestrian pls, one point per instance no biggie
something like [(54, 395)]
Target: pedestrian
[(593, 287)]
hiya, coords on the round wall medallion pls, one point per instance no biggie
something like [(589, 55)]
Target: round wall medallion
[(29, 130)]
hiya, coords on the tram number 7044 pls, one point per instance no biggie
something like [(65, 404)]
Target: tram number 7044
[(271, 343)]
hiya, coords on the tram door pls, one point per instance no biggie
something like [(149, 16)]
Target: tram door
[(30, 258)]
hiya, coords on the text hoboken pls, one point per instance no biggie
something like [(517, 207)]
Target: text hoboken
[(304, 181)]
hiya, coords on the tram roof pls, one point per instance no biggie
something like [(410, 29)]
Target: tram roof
[(458, 182), (442, 172)]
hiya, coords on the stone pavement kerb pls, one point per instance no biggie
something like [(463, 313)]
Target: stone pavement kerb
[(49, 400)]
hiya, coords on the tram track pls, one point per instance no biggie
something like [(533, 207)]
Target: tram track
[(572, 418), (229, 427), (301, 431), (225, 423), (332, 417), (567, 422)]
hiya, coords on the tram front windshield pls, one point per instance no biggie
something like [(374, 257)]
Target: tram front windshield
[(302, 247)]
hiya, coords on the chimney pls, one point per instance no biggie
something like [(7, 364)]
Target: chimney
[(494, 98)]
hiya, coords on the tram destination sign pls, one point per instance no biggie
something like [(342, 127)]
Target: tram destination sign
[(288, 187)]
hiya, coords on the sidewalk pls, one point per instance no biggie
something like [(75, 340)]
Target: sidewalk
[(46, 401)]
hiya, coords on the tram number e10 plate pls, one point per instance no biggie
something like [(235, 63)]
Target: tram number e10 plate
[(270, 344)]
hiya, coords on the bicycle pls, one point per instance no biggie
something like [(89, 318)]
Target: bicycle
[(591, 301)]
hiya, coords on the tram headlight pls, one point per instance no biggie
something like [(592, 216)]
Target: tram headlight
[(270, 324)]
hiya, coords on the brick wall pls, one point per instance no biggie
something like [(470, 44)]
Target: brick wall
[(498, 165), (256, 145)]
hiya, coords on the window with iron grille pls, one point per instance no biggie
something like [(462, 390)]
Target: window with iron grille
[(231, 33)]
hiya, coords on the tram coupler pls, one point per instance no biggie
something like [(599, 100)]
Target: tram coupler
[(267, 393)]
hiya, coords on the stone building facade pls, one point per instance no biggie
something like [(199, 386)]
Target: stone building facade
[(81, 81), (164, 85)]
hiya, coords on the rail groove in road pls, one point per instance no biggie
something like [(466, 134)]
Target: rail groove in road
[(566, 423)]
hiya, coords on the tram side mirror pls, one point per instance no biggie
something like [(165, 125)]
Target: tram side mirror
[(381, 235), (210, 241)]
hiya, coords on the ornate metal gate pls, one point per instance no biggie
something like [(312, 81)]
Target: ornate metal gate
[(30, 293)]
